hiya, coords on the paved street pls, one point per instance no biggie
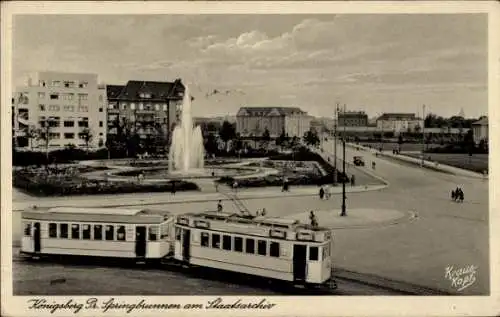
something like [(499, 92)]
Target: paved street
[(418, 251)]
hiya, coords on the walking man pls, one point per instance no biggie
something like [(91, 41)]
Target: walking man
[(219, 206)]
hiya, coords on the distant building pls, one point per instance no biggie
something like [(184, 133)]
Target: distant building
[(480, 130), (68, 103), (253, 121), (353, 119), (400, 122), (149, 108)]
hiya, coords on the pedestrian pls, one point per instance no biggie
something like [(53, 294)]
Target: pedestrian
[(173, 188), (216, 184), (327, 192), (219, 206), (235, 186), (263, 212), (321, 192), (353, 180), (312, 218)]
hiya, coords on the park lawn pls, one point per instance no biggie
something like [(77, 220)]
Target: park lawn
[(476, 162)]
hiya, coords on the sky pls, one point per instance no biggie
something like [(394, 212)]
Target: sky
[(373, 62)]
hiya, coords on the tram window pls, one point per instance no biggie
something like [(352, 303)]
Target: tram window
[(238, 244), (216, 241), (313, 253), (226, 242), (75, 231), (120, 233), (153, 233), (250, 245), (97, 232), (86, 232), (204, 239), (52, 230), (27, 229), (178, 234), (63, 230), (110, 233), (261, 247), (274, 249)]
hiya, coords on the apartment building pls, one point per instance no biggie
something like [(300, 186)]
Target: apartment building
[(352, 119), (480, 130), (64, 105), (400, 122), (149, 108), (253, 121)]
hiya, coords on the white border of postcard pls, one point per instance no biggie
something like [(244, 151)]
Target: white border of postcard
[(285, 305)]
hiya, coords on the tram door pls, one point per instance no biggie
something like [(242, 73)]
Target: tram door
[(140, 241), (299, 262), (186, 243), (37, 237)]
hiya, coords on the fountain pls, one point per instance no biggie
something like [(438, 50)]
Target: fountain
[(186, 153)]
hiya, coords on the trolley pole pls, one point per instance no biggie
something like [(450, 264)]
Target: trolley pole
[(335, 122)]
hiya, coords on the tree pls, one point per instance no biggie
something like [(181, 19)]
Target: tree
[(311, 138), (44, 134), (227, 132), (31, 133), (266, 138), (86, 136)]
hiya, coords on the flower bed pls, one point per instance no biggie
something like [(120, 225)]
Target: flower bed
[(58, 185)]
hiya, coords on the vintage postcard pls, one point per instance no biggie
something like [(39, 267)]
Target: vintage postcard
[(250, 158)]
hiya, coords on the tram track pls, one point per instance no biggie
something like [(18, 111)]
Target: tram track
[(349, 283)]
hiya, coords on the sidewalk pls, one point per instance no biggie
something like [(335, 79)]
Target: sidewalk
[(179, 198), (427, 164)]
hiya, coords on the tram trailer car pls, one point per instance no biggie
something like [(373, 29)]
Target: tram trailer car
[(139, 234), (273, 248)]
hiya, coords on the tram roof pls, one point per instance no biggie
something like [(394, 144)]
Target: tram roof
[(111, 215)]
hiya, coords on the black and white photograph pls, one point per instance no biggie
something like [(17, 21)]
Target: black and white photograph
[(245, 158)]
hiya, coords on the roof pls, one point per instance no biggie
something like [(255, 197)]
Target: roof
[(136, 90), (102, 215), (482, 121), (397, 116), (282, 111)]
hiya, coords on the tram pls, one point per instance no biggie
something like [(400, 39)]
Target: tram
[(97, 232), (273, 248)]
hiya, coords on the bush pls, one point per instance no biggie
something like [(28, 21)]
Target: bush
[(62, 156)]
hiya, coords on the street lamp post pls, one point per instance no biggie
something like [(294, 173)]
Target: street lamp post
[(343, 213), (335, 122), (423, 134)]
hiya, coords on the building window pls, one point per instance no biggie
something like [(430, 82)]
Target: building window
[(157, 107), (68, 124), (100, 109), (132, 106), (250, 246), (100, 124), (141, 106), (178, 234), (27, 229), (110, 232), (41, 95), (165, 107), (69, 108), (86, 232), (274, 249), (54, 136), (75, 231), (54, 96), (100, 97), (83, 123), (261, 247), (97, 232), (226, 242), (204, 239), (153, 233), (41, 107), (313, 253), (52, 230), (83, 108), (56, 83), (63, 230), (216, 241), (124, 106), (120, 233), (54, 108), (83, 84), (70, 96), (83, 96)]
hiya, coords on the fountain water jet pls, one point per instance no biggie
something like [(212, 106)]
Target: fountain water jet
[(186, 151)]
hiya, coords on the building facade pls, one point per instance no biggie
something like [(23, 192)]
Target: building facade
[(253, 121), (64, 108), (480, 130), (149, 108), (353, 119), (400, 122)]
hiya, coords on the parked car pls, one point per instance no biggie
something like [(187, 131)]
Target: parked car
[(358, 161)]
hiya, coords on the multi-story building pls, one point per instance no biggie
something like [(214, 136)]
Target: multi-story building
[(253, 121), (400, 122), (149, 108), (480, 130), (352, 119), (67, 106)]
